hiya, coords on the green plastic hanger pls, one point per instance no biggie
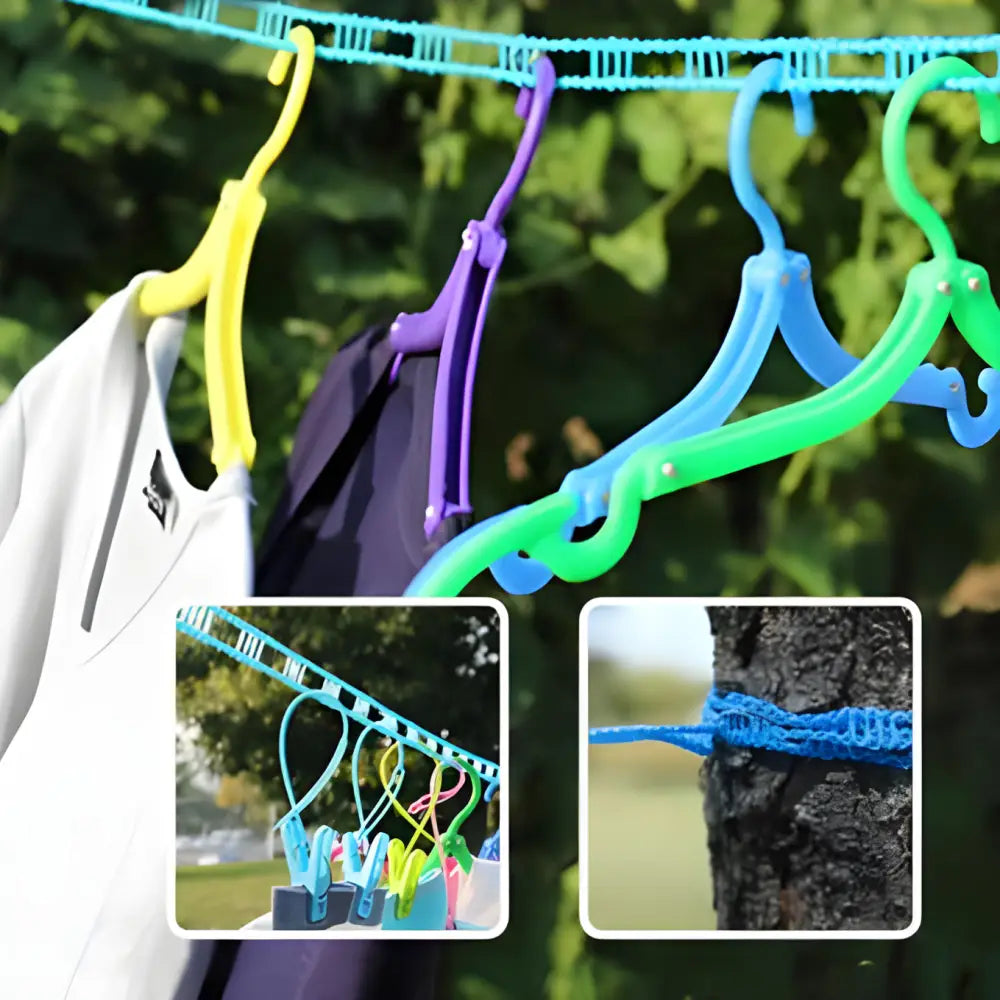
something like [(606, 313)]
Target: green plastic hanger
[(945, 285), (452, 842)]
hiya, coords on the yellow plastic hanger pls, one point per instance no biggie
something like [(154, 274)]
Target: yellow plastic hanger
[(217, 269), (406, 863)]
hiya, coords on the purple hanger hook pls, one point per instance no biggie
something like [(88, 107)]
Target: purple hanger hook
[(533, 106), (454, 323), (416, 332)]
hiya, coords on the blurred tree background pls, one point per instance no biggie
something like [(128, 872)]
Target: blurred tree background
[(435, 666), (643, 799), (623, 270)]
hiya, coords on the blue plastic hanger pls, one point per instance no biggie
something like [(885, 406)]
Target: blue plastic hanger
[(776, 293)]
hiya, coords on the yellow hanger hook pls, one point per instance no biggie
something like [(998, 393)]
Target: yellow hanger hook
[(305, 58), (217, 270)]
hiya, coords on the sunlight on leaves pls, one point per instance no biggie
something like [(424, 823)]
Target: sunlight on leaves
[(639, 251)]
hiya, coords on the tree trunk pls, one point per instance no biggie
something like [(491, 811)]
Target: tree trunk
[(801, 844)]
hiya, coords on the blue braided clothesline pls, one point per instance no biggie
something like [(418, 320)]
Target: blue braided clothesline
[(872, 735), (581, 63)]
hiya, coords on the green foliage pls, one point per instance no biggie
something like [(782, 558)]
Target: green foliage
[(115, 139), (230, 895), (434, 666)]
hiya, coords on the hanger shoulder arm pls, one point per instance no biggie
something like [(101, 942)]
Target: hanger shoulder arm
[(229, 411), (659, 470), (977, 315), (186, 286)]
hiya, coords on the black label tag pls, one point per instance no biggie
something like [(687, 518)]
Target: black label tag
[(159, 496)]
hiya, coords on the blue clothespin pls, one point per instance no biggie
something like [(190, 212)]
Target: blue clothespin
[(309, 869), (369, 899)]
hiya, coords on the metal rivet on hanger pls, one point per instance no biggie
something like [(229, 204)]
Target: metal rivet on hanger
[(784, 279), (668, 469), (804, 276), (953, 386), (466, 239), (944, 287), (974, 284), (429, 512)]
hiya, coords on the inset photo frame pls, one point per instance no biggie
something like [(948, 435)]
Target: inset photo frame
[(339, 768), (750, 768)]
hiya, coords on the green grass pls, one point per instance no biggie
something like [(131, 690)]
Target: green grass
[(648, 863), (225, 897)]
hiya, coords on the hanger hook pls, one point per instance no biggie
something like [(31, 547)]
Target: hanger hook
[(305, 57), (533, 106), (467, 809), (897, 121), (762, 78)]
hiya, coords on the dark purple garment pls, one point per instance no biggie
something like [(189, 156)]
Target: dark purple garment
[(333, 970), (350, 521)]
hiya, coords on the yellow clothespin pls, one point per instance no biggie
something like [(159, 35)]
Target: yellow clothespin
[(217, 270)]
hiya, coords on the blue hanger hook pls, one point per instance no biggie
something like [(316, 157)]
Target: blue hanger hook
[(761, 79)]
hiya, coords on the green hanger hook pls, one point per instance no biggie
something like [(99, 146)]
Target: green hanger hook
[(452, 842), (897, 121)]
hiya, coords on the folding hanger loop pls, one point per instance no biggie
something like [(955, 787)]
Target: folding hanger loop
[(335, 759), (422, 804), (307, 867), (351, 844), (384, 803), (396, 804), (453, 842)]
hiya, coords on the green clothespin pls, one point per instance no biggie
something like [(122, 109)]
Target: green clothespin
[(452, 842), (944, 286)]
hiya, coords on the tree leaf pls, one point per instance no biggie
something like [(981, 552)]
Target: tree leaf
[(705, 118), (754, 18), (639, 251), (571, 161), (656, 132)]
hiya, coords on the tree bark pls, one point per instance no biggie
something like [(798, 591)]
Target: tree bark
[(796, 843)]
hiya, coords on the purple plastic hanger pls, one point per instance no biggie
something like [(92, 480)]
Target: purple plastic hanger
[(454, 324)]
